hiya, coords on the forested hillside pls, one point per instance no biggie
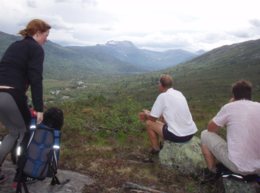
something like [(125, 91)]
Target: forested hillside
[(205, 80)]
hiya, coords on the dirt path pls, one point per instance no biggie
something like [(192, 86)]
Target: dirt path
[(77, 182)]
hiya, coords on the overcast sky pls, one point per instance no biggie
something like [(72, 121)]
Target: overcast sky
[(155, 25)]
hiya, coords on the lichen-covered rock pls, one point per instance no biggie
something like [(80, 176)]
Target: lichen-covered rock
[(236, 186), (185, 159)]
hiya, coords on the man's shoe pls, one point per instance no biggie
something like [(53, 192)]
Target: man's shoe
[(153, 153), (2, 177), (209, 177), (148, 160), (161, 144)]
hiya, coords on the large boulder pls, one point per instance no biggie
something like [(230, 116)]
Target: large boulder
[(237, 186), (183, 158)]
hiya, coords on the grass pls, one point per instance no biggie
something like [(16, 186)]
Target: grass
[(120, 161), (115, 158)]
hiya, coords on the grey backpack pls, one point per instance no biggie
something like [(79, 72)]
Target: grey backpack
[(41, 157)]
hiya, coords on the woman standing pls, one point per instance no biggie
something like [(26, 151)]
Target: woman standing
[(21, 66)]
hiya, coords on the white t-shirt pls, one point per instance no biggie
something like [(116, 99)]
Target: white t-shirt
[(242, 119), (173, 105)]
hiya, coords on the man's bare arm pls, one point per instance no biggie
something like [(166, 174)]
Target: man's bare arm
[(149, 117), (153, 119), (145, 115), (212, 127)]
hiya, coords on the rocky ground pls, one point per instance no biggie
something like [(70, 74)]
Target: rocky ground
[(75, 185)]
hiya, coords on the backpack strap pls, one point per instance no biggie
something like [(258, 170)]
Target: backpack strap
[(33, 127), (20, 179), (33, 123), (55, 180), (56, 147)]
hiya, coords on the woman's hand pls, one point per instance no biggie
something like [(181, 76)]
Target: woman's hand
[(39, 117)]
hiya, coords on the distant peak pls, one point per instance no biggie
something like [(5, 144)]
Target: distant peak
[(200, 52), (111, 42), (120, 43)]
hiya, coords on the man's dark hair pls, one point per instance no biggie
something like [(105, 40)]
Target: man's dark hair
[(53, 118), (166, 81), (242, 90)]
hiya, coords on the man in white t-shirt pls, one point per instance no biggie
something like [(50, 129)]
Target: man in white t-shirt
[(177, 124), (241, 152)]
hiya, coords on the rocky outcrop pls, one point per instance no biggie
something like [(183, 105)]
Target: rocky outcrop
[(183, 158), (76, 184), (237, 186)]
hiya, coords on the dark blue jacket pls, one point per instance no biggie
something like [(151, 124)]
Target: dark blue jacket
[(21, 66)]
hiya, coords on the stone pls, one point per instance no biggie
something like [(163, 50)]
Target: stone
[(183, 158), (236, 186), (76, 184)]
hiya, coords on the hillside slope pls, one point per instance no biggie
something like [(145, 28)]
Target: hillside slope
[(170, 58), (63, 63), (205, 81)]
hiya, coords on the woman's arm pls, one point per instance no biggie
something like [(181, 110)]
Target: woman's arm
[(35, 70)]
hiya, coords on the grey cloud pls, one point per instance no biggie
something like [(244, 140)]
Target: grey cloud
[(23, 22), (31, 4), (240, 34), (59, 26), (91, 17), (254, 22), (211, 38), (164, 46), (56, 23), (176, 44), (169, 46), (80, 13)]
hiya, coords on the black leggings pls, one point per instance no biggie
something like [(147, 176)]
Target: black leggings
[(15, 115), (167, 135)]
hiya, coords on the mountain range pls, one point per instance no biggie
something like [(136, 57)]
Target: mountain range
[(128, 52), (206, 77), (64, 63), (110, 60)]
